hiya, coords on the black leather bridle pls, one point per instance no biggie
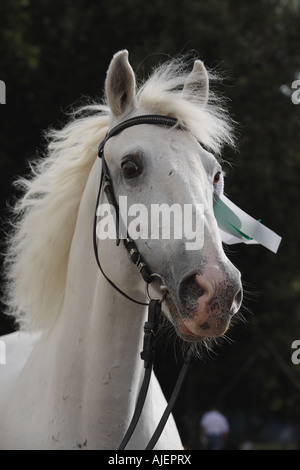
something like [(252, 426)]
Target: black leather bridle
[(154, 305)]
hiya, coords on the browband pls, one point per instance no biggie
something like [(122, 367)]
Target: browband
[(144, 119)]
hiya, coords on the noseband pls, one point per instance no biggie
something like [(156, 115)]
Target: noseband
[(154, 305)]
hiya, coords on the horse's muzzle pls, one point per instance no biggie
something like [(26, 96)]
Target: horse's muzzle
[(206, 303)]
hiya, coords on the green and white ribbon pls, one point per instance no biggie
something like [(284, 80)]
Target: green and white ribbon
[(236, 226)]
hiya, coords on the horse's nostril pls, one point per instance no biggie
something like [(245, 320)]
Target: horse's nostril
[(190, 289), (238, 298)]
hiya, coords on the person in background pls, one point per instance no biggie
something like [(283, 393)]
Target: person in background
[(214, 430)]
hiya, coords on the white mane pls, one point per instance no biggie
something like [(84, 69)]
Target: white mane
[(165, 93), (38, 250)]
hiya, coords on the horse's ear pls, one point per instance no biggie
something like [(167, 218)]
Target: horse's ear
[(198, 82), (120, 84)]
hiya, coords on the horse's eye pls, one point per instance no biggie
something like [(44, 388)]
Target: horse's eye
[(217, 177), (130, 169)]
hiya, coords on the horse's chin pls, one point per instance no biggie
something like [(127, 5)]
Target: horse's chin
[(190, 330)]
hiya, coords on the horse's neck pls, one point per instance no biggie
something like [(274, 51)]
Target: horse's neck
[(98, 336), (80, 385), (98, 363)]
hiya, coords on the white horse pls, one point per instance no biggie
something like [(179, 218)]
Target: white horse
[(73, 371)]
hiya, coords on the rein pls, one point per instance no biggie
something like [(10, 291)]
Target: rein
[(154, 305)]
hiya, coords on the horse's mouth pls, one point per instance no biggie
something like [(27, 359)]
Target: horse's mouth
[(189, 328), (201, 306), (176, 320)]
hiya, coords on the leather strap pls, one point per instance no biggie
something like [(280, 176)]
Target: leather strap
[(144, 119), (150, 329), (171, 403), (106, 183)]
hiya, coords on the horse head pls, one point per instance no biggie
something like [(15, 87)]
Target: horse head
[(170, 182)]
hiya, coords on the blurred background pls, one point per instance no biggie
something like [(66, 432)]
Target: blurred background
[(55, 53)]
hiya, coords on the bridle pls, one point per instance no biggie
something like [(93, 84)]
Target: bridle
[(154, 305)]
